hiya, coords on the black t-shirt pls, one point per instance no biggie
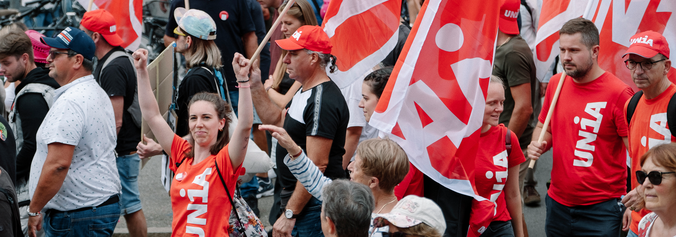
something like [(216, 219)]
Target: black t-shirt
[(119, 79), (320, 111), (229, 30), (195, 81), (7, 150), (257, 15)]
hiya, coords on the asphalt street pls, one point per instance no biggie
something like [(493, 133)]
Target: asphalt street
[(157, 204)]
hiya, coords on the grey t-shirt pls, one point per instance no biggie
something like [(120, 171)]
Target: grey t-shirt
[(514, 64)]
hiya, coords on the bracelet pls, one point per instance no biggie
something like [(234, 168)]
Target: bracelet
[(32, 214), (299, 153), (242, 81), (243, 86)]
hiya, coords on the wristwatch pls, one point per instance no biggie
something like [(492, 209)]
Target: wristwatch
[(289, 214), (32, 214)]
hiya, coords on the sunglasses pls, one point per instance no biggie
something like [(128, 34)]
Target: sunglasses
[(655, 177), (395, 234), (178, 31), (54, 53)]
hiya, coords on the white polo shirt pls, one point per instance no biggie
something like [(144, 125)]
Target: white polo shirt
[(82, 116)]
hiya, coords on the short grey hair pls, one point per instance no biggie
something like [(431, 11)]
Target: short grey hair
[(324, 59), (349, 205)]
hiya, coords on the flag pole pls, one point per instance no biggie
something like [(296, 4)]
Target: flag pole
[(89, 8), (187, 4), (549, 114), (269, 34)]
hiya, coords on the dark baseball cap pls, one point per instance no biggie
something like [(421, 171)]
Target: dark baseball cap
[(73, 39)]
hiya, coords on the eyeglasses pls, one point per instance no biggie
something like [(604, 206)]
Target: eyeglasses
[(395, 234), (646, 65), (178, 31), (655, 177), (54, 53)]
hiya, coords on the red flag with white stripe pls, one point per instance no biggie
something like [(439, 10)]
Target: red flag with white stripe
[(434, 102), (617, 21), (362, 34), (128, 18)]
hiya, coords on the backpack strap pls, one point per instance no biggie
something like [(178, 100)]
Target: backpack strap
[(508, 141), (631, 107), (671, 115)]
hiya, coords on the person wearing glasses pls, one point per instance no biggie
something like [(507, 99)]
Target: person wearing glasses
[(657, 187), (74, 173), (196, 33), (587, 134), (647, 58)]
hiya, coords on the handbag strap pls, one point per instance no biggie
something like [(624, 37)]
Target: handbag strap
[(232, 203)]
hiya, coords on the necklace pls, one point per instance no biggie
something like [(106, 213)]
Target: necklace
[(381, 208)]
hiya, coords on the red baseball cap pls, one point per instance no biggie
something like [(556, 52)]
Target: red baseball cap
[(508, 14), (102, 22), (307, 37), (648, 44)]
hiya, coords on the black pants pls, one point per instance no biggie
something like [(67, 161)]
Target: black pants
[(456, 207)]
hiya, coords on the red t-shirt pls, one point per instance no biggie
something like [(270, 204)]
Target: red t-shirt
[(198, 198), (648, 128), (491, 168), (587, 127)]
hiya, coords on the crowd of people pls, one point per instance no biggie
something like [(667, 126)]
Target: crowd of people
[(71, 144)]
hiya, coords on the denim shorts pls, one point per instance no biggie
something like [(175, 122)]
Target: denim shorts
[(128, 168), (234, 96), (98, 221), (602, 219)]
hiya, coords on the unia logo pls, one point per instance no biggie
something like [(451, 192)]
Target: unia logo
[(511, 14), (643, 40), (296, 35)]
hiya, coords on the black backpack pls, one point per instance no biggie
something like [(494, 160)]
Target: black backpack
[(15, 212), (671, 111)]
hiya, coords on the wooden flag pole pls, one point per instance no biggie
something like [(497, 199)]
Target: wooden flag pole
[(89, 8), (269, 34), (549, 114), (187, 4)]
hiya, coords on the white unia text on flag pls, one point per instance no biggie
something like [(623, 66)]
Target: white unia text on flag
[(362, 34), (128, 18), (617, 21), (434, 102)]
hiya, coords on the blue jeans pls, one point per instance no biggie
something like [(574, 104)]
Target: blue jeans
[(631, 233), (499, 228), (128, 168), (99, 221), (308, 222), (601, 219)]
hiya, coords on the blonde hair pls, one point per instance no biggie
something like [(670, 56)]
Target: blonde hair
[(203, 51), (421, 229), (385, 160), (301, 10)]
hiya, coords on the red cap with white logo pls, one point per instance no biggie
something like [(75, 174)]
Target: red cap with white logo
[(307, 37), (508, 14), (648, 44)]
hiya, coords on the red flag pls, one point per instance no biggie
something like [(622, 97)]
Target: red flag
[(617, 21), (434, 102), (128, 18), (362, 34)]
